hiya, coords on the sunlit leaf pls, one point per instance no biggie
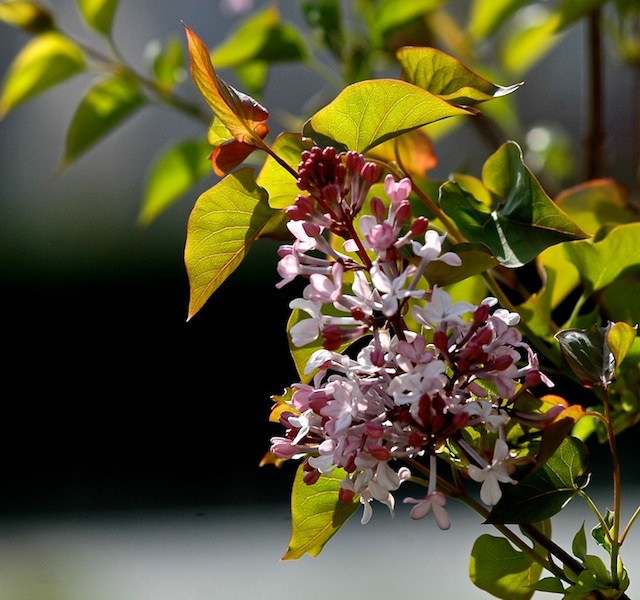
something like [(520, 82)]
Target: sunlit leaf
[(391, 14), (596, 203), (222, 227), (30, 16), (547, 490), (529, 41), (486, 16), (104, 106), (445, 76), (45, 61), (99, 14), (524, 221), (168, 64), (172, 174), (316, 513), (368, 113), (499, 569), (413, 150), (241, 115), (262, 37), (600, 263), (273, 177)]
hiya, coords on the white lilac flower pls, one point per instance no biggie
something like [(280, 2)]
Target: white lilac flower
[(306, 331), (434, 502), (491, 475), (441, 309)]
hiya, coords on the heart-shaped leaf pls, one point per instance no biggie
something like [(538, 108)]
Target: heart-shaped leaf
[(445, 76), (499, 569), (544, 492), (316, 513), (103, 107), (222, 227), (45, 61), (600, 263), (524, 220), (241, 115), (368, 113)]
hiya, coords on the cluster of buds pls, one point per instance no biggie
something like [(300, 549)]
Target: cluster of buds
[(404, 372)]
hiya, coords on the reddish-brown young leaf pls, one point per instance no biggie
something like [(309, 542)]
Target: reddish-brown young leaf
[(241, 115)]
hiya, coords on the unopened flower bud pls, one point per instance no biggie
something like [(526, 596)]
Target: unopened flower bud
[(378, 209), (370, 172), (419, 226)]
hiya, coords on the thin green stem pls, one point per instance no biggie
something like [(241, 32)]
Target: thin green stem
[(627, 529), (617, 482)]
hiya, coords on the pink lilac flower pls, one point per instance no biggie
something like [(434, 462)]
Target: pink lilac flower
[(400, 394)]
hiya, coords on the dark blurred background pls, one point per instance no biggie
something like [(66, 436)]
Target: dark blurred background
[(112, 399)]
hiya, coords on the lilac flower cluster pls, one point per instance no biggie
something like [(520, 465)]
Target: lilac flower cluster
[(424, 370)]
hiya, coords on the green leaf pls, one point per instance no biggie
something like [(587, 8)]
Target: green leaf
[(391, 14), (222, 227), (273, 177), (579, 544), (29, 16), (547, 490), (325, 22), (262, 37), (594, 354), (600, 535), (103, 108), (525, 220), (368, 113), (316, 513), (574, 11), (45, 61), (602, 262), (168, 64), (499, 569), (476, 258), (486, 16), (99, 14), (597, 203), (529, 41), (173, 173), (446, 77)]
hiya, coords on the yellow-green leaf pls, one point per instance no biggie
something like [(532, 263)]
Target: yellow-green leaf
[(316, 513), (487, 15), (445, 76), (174, 172), (222, 227), (99, 14), (280, 183), (368, 113), (530, 41), (600, 263), (29, 16), (499, 569), (103, 107), (44, 62)]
